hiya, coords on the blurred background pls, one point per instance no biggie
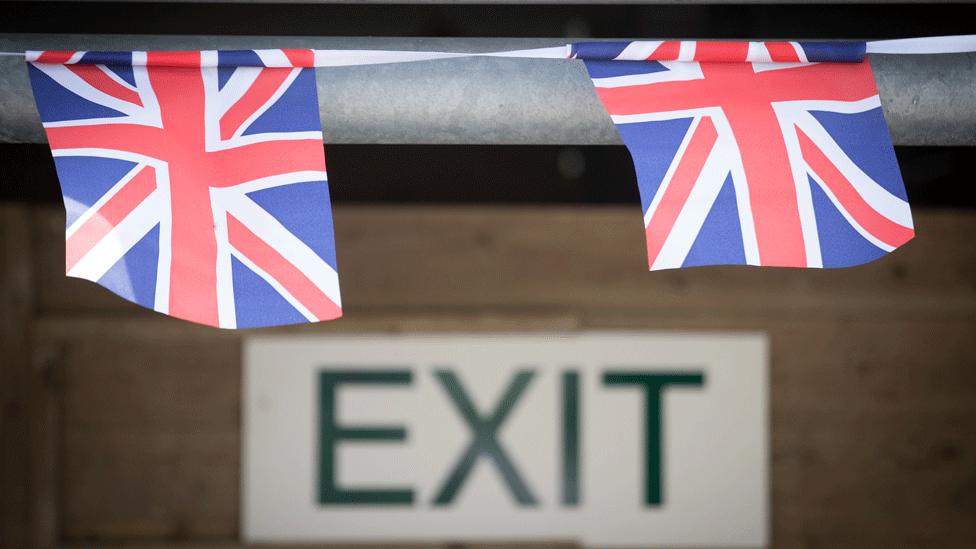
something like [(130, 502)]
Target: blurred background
[(121, 428)]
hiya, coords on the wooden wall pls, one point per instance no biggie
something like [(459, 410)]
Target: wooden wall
[(121, 427)]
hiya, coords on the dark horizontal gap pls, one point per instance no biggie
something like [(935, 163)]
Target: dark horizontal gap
[(485, 174), (605, 21)]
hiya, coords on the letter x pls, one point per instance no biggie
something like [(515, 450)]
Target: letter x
[(484, 442)]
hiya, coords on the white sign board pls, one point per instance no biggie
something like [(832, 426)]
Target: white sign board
[(609, 439)]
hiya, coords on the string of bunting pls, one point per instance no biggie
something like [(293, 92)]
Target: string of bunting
[(194, 182)]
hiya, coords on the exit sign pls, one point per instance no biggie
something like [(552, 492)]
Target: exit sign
[(608, 439)]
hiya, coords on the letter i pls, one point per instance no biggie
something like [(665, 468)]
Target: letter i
[(571, 439)]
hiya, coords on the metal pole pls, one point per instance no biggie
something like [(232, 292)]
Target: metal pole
[(927, 99), (549, 2)]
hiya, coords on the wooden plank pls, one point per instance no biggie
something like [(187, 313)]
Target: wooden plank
[(861, 542), (156, 418), (872, 432), (152, 439), (15, 304), (152, 410), (873, 429), (873, 421), (873, 435), (563, 258), (45, 443), (29, 404), (156, 327)]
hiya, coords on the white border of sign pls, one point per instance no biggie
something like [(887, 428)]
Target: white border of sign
[(715, 439)]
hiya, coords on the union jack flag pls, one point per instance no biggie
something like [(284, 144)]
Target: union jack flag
[(750, 153), (194, 182)]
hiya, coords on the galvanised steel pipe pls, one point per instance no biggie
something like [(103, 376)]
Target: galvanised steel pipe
[(593, 2), (927, 99)]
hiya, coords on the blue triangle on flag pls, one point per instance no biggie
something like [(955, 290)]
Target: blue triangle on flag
[(55, 103), (124, 72), (223, 75), (864, 139), (85, 179), (229, 60), (305, 210), (257, 302), (719, 242), (123, 69), (840, 243), (134, 275), (297, 110), (653, 147), (608, 69)]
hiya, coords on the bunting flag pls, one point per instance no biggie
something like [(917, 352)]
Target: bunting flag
[(758, 153), (194, 182)]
